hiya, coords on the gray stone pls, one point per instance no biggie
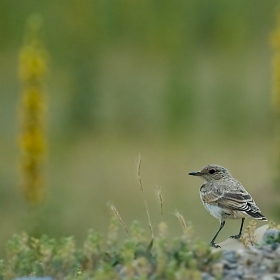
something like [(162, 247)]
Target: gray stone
[(207, 276), (271, 235), (230, 256), (271, 277)]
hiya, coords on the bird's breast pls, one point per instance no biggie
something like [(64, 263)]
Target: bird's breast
[(214, 210)]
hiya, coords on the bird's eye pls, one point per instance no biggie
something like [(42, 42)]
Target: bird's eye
[(212, 171)]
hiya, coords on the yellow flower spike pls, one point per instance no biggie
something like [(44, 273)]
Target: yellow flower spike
[(275, 43), (33, 66), (33, 103)]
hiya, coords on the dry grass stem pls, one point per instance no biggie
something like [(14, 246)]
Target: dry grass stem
[(181, 219), (249, 238), (272, 224), (187, 227), (143, 194), (139, 173), (160, 198), (115, 212)]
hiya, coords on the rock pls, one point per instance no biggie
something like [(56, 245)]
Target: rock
[(207, 276), (270, 235), (261, 261), (271, 277), (230, 256), (235, 244)]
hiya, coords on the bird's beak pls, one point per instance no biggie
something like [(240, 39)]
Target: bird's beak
[(195, 173)]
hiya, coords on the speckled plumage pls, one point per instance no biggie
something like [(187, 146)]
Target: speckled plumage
[(225, 198)]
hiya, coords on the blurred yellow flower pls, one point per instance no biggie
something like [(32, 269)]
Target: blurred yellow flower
[(33, 60), (275, 42)]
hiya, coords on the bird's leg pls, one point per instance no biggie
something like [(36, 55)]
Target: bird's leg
[(212, 243), (237, 236)]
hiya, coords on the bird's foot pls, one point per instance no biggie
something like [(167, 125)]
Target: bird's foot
[(213, 244), (237, 236)]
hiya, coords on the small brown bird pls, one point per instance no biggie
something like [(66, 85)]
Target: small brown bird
[(225, 198)]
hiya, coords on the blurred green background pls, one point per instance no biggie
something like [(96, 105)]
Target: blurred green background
[(185, 83)]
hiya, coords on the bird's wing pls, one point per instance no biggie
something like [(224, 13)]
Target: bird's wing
[(235, 199), (238, 200)]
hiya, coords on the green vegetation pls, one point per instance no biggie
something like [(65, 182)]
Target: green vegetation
[(107, 257)]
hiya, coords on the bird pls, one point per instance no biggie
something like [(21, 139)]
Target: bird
[(225, 198)]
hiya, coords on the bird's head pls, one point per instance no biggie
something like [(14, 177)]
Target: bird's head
[(212, 172)]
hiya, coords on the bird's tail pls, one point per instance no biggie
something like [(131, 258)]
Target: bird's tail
[(257, 215)]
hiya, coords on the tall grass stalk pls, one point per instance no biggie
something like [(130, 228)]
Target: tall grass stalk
[(159, 196), (116, 214), (143, 194)]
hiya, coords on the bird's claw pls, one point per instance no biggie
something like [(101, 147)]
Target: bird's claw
[(213, 244), (237, 236)]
